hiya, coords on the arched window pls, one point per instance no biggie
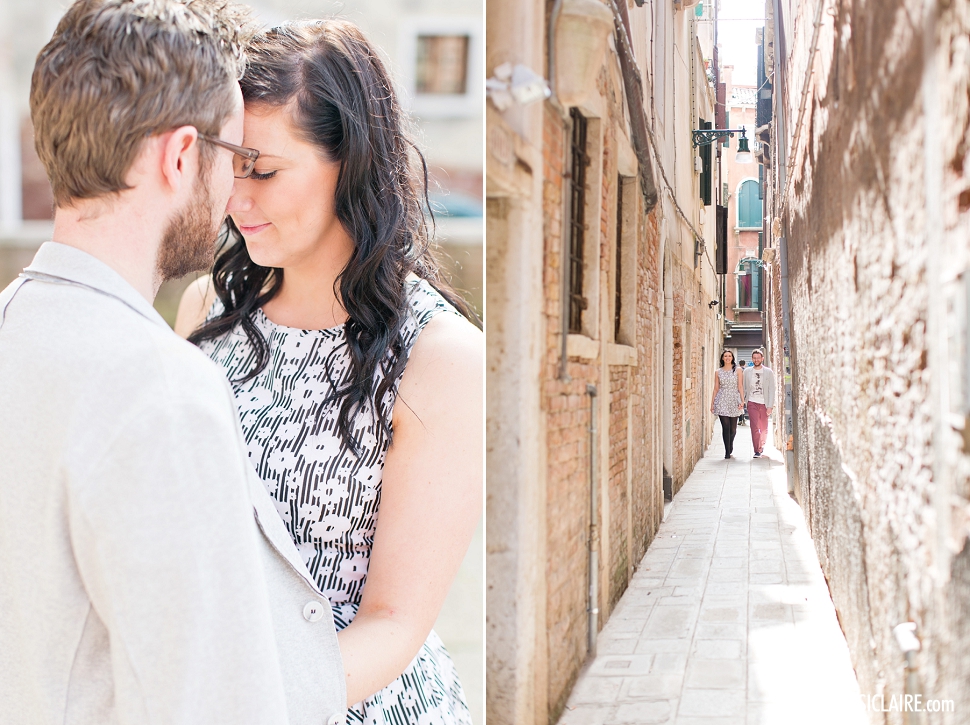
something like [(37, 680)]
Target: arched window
[(749, 205), (748, 275)]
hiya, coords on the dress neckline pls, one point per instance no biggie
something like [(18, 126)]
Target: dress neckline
[(336, 329)]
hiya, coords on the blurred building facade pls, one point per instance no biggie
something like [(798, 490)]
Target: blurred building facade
[(604, 321), (434, 48)]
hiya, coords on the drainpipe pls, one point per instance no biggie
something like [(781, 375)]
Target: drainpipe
[(905, 635), (594, 529)]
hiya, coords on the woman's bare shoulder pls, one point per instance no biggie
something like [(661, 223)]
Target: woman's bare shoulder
[(447, 363), (194, 306)]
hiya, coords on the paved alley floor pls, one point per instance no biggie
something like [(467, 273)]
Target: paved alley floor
[(728, 618)]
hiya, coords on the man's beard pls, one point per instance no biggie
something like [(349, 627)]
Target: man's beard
[(189, 242)]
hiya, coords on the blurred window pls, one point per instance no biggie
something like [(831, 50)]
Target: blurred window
[(442, 64)]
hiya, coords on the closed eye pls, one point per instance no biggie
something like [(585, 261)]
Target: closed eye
[(262, 177)]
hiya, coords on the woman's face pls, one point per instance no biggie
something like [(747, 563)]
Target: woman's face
[(727, 358), (285, 210)]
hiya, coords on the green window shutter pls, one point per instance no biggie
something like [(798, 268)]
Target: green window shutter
[(749, 205), (755, 285), (706, 170), (727, 124)]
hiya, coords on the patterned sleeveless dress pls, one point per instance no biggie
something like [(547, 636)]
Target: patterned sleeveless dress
[(728, 397), (327, 496)]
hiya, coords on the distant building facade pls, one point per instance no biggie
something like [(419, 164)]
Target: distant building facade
[(741, 192)]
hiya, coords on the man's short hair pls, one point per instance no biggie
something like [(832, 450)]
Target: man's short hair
[(759, 351), (118, 71)]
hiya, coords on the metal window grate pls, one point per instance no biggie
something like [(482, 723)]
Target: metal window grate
[(577, 221)]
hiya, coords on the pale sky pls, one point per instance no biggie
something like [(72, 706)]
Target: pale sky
[(736, 37)]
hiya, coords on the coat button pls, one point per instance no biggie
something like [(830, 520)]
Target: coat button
[(313, 611), (337, 719)]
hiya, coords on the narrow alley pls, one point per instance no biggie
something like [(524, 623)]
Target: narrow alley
[(675, 186), (728, 618)]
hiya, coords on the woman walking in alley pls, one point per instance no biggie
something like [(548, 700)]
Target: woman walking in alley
[(356, 374), (728, 396)]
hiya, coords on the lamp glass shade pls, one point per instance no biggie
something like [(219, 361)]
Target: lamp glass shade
[(744, 153)]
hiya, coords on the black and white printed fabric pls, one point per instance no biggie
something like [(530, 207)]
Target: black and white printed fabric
[(327, 495)]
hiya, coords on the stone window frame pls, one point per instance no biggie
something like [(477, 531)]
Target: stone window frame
[(437, 106), (737, 284), (737, 204), (590, 323), (624, 234)]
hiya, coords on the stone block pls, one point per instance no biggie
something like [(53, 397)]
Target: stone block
[(621, 666), (715, 674), (595, 690), (712, 703), (651, 711), (718, 649)]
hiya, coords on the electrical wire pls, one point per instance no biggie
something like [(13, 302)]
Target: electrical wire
[(673, 197)]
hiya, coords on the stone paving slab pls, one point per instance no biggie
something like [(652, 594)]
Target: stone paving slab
[(728, 618)]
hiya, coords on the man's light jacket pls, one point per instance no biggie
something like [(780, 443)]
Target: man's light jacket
[(145, 575), (767, 383)]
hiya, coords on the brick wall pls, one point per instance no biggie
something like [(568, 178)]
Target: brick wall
[(619, 499), (567, 407), (630, 479), (646, 397), (874, 439)]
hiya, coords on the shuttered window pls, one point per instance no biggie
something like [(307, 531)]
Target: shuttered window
[(749, 205)]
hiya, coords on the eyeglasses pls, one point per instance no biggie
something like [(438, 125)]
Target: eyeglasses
[(243, 160)]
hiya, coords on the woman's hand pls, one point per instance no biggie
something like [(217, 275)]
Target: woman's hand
[(431, 502)]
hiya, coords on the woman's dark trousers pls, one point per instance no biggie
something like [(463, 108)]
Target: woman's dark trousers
[(729, 428)]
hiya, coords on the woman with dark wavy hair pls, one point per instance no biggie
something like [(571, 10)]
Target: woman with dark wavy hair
[(357, 373)]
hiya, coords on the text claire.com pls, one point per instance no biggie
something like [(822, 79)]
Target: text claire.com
[(905, 703)]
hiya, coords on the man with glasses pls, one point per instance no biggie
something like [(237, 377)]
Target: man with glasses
[(145, 575)]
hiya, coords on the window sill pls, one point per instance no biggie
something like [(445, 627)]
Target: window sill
[(621, 354), (582, 347), (746, 309)]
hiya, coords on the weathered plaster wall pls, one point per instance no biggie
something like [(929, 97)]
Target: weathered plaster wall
[(881, 471)]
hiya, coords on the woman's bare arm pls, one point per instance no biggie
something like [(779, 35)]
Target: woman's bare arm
[(431, 501), (741, 387), (717, 386), (194, 306)]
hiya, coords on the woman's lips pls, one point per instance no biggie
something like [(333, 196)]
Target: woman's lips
[(255, 229)]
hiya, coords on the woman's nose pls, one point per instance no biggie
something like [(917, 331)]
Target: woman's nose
[(239, 199)]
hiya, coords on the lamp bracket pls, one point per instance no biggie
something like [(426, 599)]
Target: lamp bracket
[(706, 136)]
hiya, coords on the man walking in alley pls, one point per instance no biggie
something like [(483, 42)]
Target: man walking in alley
[(759, 388)]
